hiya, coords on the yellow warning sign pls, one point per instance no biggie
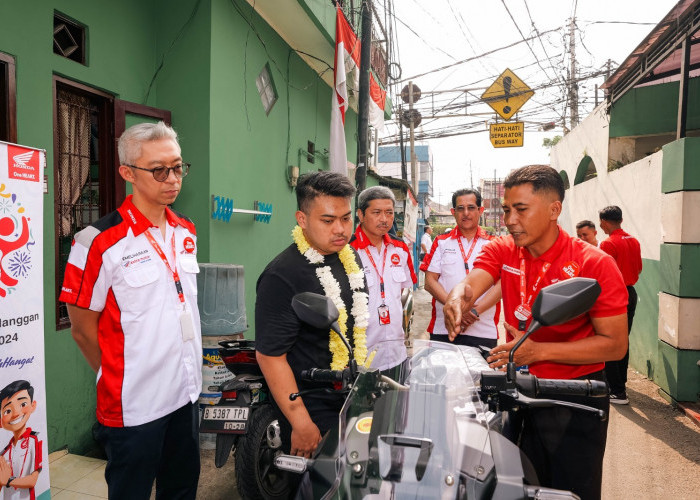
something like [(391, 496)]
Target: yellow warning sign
[(507, 135), (507, 94)]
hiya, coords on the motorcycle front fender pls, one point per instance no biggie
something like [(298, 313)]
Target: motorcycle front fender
[(224, 445)]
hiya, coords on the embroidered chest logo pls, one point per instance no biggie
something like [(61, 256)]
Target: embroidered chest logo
[(188, 244), (395, 259), (570, 270)]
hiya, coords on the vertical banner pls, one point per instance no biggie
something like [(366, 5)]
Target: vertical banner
[(23, 444)]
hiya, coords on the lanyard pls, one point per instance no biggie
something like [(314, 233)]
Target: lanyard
[(471, 249), (381, 278), (523, 282), (159, 251)]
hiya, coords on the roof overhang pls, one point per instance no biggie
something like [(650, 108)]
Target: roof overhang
[(658, 58)]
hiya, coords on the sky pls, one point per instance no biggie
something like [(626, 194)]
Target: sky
[(437, 33)]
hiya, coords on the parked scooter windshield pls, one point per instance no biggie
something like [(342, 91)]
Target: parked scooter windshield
[(420, 436)]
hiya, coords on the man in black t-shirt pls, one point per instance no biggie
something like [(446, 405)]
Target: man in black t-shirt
[(286, 346)]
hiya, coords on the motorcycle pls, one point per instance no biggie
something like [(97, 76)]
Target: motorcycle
[(435, 430), (244, 422)]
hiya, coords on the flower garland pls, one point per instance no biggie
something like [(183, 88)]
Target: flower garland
[(331, 288)]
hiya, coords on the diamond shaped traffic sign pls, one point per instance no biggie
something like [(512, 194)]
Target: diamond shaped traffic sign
[(507, 94)]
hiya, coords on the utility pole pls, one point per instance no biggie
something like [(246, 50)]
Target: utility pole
[(573, 84), (414, 169), (404, 172), (363, 105), (471, 175)]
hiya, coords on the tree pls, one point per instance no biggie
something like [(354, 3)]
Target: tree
[(549, 143)]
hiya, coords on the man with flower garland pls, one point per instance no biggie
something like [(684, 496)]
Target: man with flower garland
[(388, 269), (320, 261)]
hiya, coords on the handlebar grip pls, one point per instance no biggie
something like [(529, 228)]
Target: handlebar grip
[(322, 375), (556, 387)]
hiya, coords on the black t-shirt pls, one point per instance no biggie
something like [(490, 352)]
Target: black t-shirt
[(278, 330)]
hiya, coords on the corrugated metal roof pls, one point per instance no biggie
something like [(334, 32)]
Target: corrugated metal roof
[(658, 55)]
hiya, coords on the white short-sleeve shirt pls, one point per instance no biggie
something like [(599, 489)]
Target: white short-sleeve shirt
[(446, 260), (398, 274)]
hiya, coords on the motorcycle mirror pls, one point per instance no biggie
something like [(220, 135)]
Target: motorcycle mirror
[(317, 310), (563, 301), (557, 304)]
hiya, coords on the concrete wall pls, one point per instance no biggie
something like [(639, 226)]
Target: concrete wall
[(658, 195)]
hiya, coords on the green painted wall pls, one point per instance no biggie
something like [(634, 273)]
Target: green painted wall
[(121, 60), (653, 110), (679, 170), (210, 60), (644, 336), (249, 150)]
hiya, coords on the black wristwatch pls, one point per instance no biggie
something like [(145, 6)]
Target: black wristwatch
[(12, 478)]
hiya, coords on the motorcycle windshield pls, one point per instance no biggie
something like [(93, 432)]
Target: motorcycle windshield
[(417, 430)]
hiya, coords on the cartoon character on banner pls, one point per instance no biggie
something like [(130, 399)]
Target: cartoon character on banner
[(14, 234), (21, 459)]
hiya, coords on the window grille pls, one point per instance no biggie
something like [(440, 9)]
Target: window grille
[(68, 38), (77, 177)]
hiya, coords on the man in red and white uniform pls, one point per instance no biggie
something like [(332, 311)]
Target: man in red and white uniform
[(131, 290), (448, 263), (565, 446), (21, 460), (627, 253), (388, 270)]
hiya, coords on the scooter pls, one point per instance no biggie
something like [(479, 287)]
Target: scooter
[(244, 422), (435, 430)]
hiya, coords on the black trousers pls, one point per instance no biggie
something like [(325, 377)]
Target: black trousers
[(468, 340), (566, 446), (165, 450), (617, 370)]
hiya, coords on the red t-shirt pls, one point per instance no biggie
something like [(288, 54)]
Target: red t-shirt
[(568, 257), (627, 254)]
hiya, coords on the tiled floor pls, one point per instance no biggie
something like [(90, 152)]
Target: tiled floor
[(76, 478)]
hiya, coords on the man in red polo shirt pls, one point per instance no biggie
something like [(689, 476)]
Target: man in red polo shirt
[(628, 257), (565, 446)]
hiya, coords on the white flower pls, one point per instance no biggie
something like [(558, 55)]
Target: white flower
[(360, 311), (330, 285), (357, 280), (313, 256)]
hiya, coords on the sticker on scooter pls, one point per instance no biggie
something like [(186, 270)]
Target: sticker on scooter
[(364, 425)]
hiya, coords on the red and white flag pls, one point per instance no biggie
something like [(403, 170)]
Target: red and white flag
[(346, 64), (377, 100)]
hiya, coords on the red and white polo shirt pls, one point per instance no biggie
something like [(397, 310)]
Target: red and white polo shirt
[(392, 265), (24, 457), (446, 259), (148, 369), (567, 258)]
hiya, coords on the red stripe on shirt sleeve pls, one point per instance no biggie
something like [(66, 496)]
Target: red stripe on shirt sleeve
[(429, 256)]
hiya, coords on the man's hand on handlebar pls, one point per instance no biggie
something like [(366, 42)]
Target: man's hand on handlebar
[(305, 439), (525, 354)]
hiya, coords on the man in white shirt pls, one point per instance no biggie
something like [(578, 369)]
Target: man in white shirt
[(388, 269), (449, 262), (426, 242)]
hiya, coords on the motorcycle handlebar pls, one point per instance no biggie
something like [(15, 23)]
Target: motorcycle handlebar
[(322, 375), (534, 387)]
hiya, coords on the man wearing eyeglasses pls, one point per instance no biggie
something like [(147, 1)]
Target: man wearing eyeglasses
[(130, 287), (448, 263)]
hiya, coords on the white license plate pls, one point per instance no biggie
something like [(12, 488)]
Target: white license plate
[(226, 413)]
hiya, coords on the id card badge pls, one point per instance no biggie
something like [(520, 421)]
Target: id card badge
[(187, 326), (384, 318), (522, 313)]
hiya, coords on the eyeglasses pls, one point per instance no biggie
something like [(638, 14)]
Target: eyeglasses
[(462, 208), (161, 174)]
